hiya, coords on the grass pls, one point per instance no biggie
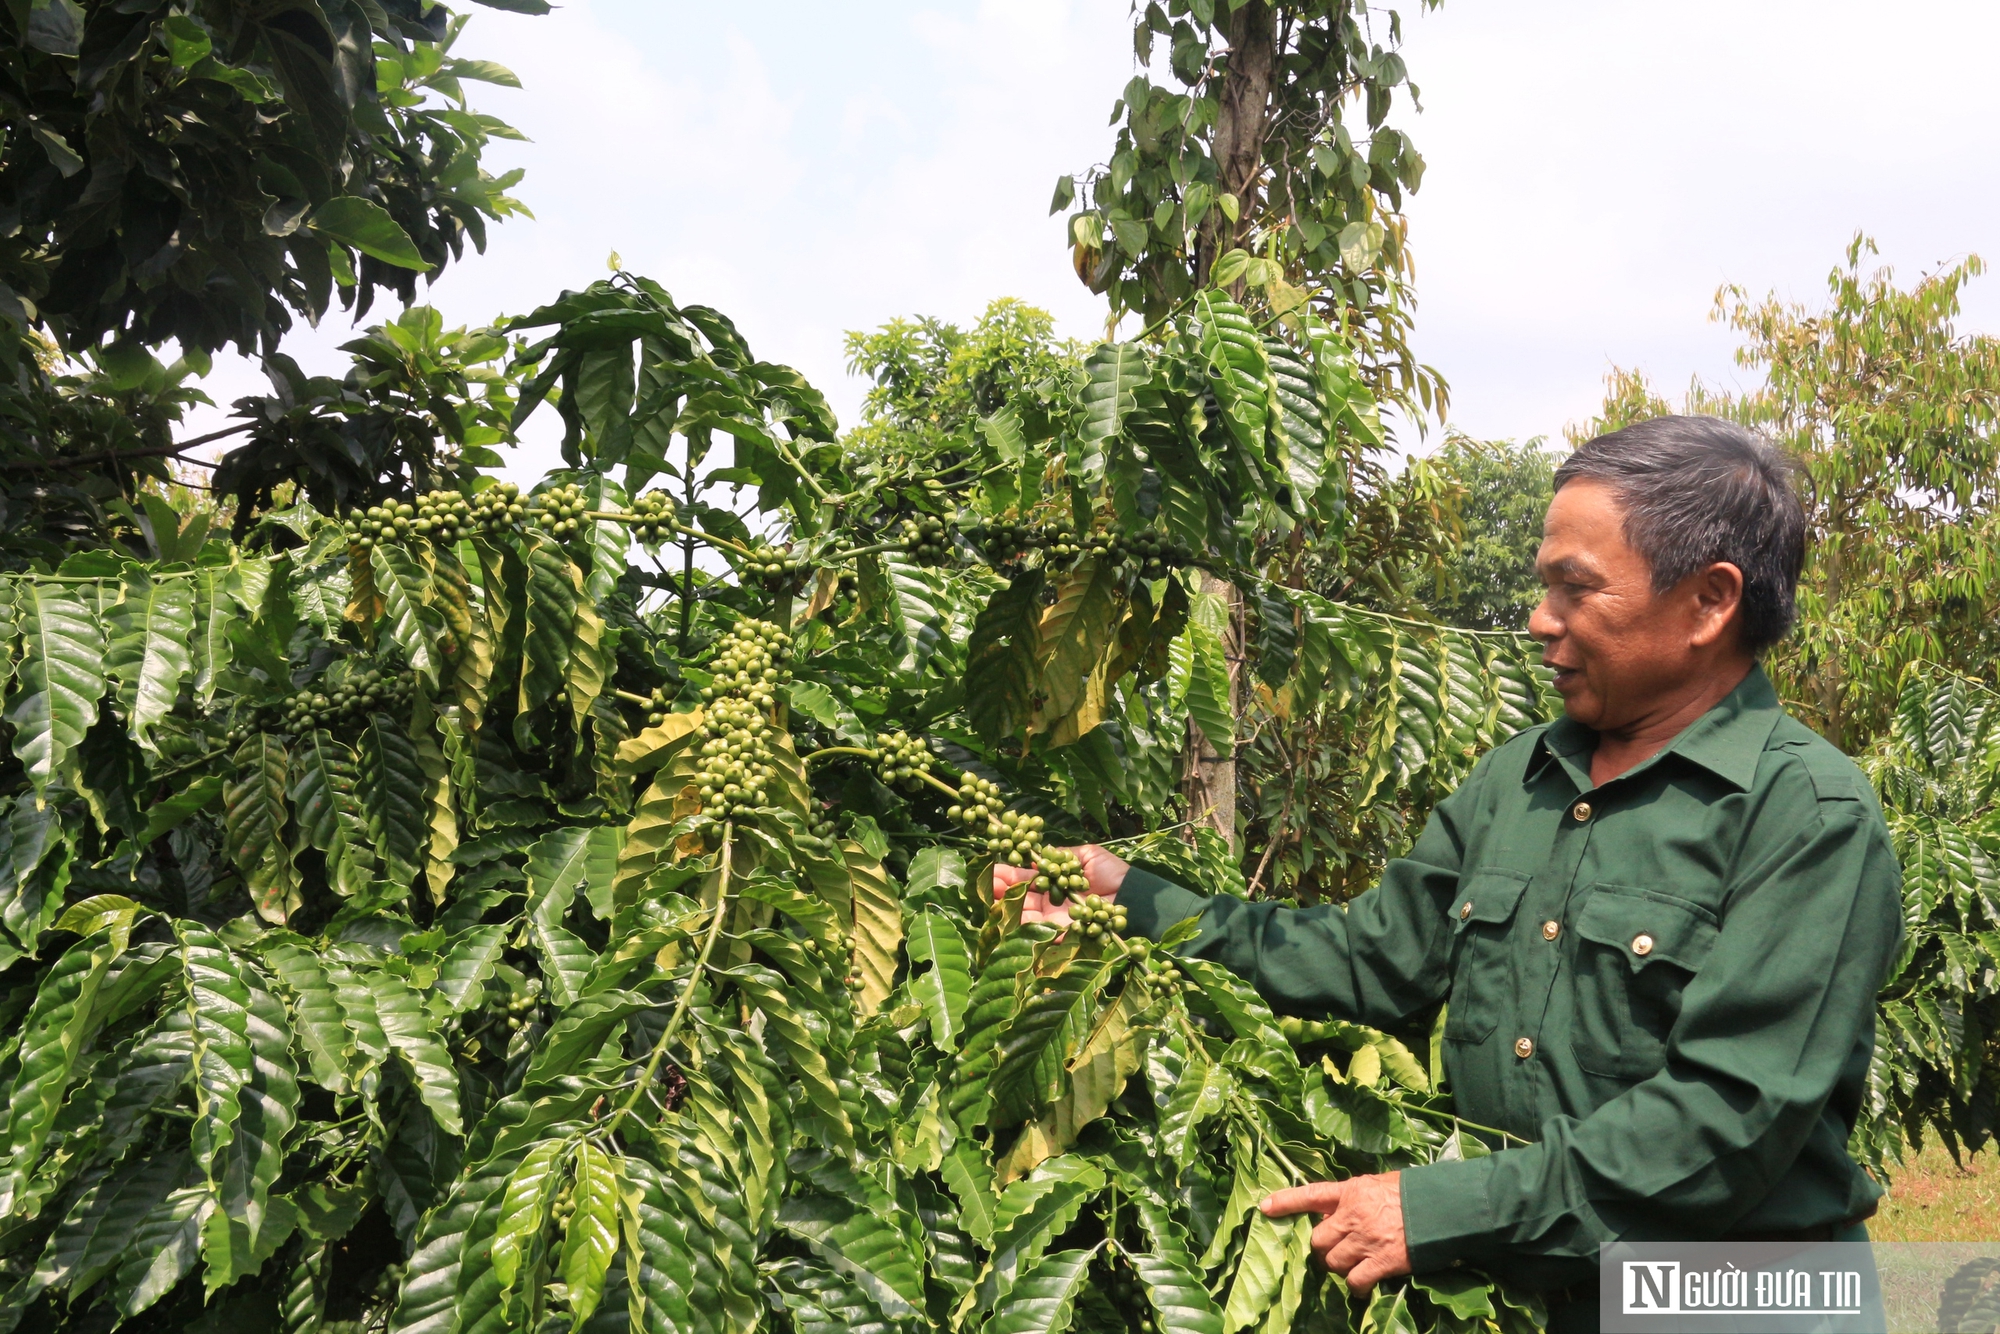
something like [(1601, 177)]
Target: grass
[(1932, 1199)]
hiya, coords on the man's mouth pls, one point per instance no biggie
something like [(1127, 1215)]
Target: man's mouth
[(1565, 676)]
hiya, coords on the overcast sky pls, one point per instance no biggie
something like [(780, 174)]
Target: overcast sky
[(1596, 170)]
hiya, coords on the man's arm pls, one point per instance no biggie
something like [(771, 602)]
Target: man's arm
[(1766, 1027), (1377, 961)]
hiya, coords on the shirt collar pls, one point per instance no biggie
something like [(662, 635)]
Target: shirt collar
[(1727, 740)]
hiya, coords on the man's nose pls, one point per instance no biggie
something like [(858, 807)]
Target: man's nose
[(1543, 623)]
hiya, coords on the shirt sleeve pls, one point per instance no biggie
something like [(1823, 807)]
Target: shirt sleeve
[(1783, 1005), (1377, 960)]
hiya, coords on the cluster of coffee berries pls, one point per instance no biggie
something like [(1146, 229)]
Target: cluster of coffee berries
[(565, 1204), (926, 540), (518, 1011), (979, 801), (658, 707), (1098, 917), (652, 517), (750, 662), (559, 511), (1149, 555), (447, 517), (854, 981), (774, 567), (1160, 971), (328, 707), (1013, 837), (1007, 542), (1003, 542), (1059, 874), (900, 757), (392, 522), (821, 836), (736, 775), (1126, 1292)]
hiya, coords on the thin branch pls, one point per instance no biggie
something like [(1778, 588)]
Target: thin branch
[(825, 751), (120, 455), (687, 994)]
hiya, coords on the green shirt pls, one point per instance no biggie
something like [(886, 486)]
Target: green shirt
[(1667, 982)]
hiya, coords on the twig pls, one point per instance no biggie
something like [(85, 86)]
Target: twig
[(687, 995), (1270, 846), (951, 792), (798, 465), (851, 552), (119, 455), (624, 516), (838, 750), (92, 578), (1460, 1123)]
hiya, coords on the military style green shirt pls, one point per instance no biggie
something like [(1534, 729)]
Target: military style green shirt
[(1666, 982)]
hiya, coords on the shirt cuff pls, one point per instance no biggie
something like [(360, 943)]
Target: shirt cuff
[(1445, 1213), (1153, 904)]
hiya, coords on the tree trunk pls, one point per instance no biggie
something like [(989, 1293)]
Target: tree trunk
[(1208, 771), (1239, 130)]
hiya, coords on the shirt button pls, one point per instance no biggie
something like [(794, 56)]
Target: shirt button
[(1466, 911), (1524, 1047), (1550, 930), (1581, 810), (1642, 944)]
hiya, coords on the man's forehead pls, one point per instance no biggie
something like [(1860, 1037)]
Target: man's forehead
[(1564, 564)]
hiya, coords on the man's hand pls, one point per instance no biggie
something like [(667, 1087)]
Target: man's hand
[(1105, 872), (1360, 1232)]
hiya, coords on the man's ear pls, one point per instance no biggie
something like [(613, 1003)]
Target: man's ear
[(1714, 596)]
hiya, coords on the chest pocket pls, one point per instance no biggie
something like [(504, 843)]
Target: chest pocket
[(1636, 951), (1482, 977)]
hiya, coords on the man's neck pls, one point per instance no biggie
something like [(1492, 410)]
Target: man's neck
[(1622, 749)]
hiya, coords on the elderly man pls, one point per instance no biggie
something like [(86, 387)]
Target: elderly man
[(1658, 923)]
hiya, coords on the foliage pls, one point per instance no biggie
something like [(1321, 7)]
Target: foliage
[(206, 167), (454, 933), (1487, 580), (1252, 142), (1894, 417), (202, 171), (1938, 773), (934, 382), (421, 407), (1342, 783)]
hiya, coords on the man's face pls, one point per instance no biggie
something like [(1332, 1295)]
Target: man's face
[(1616, 646)]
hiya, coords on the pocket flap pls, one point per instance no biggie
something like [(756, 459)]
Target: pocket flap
[(1646, 926), (1487, 895)]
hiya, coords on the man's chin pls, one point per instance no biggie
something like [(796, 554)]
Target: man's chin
[(1580, 704)]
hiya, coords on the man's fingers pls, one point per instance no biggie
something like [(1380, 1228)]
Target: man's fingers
[(1328, 1234), (1363, 1277), (1035, 907), (1006, 877), (1320, 1197), (1349, 1253)]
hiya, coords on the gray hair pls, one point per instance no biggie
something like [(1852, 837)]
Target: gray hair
[(1697, 490)]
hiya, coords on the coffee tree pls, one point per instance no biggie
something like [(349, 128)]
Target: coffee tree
[(569, 908)]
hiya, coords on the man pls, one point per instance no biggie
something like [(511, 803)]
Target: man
[(1659, 922)]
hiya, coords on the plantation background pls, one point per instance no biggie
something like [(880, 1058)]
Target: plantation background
[(436, 903)]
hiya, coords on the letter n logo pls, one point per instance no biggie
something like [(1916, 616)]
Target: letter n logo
[(1652, 1287)]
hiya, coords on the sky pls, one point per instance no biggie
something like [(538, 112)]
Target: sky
[(1596, 170)]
